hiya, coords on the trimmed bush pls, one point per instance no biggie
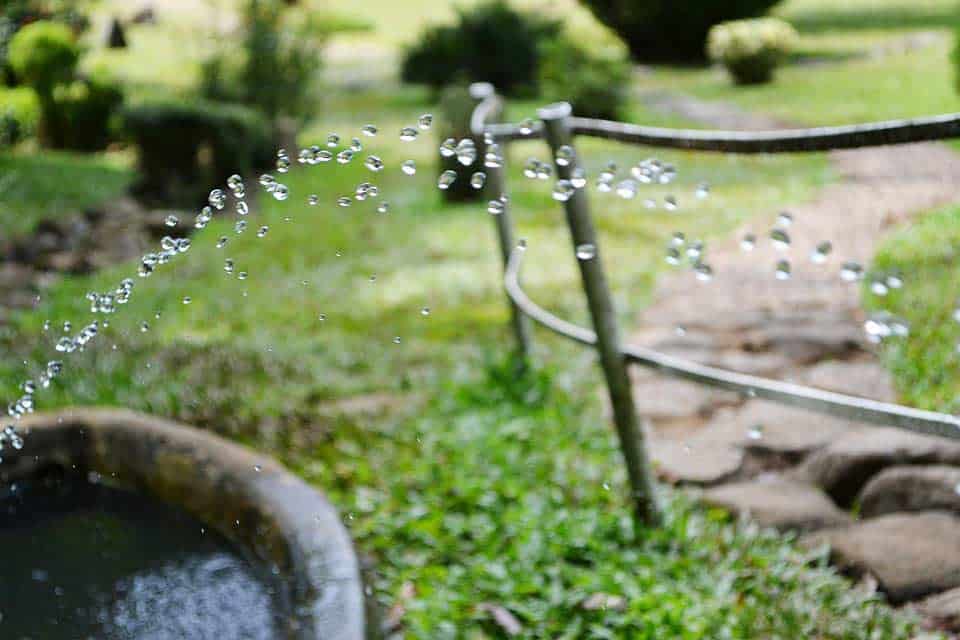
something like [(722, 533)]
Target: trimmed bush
[(751, 49), (186, 148), (596, 86), (19, 115), (489, 43), (670, 30), (81, 115), (44, 54)]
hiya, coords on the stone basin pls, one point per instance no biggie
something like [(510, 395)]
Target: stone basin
[(283, 525)]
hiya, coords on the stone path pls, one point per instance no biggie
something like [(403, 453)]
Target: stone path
[(789, 468)]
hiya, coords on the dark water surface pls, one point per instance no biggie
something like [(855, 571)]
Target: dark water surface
[(80, 560)]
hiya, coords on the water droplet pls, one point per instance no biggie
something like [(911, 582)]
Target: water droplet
[(627, 189), (228, 265), (578, 177), (409, 167), (670, 203), (345, 156), (262, 231), (563, 190), (820, 252), (565, 156), (785, 219), (878, 288), (384, 207), (783, 270), (496, 207), (187, 299), (466, 152), (446, 179), (396, 340), (703, 190), (222, 242), (66, 345), (283, 161), (369, 130), (333, 140), (851, 271), (894, 281), (526, 126), (144, 326), (344, 201), (373, 163), (673, 256), (522, 244), (755, 432), (586, 251), (425, 121), (448, 148), (242, 275), (240, 226), (781, 239), (478, 179), (171, 221), (281, 192), (217, 199), (313, 200), (46, 325), (678, 239), (703, 272), (408, 134), (748, 242), (493, 158), (425, 311)]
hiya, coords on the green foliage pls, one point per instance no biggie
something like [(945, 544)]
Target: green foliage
[(670, 30), (489, 43), (595, 85), (751, 49), (80, 114), (19, 114), (44, 54), (185, 147)]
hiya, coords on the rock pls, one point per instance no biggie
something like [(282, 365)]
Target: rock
[(807, 344), (767, 427), (941, 611), (866, 379), (779, 503), (664, 399), (911, 555), (844, 466), (911, 488), (697, 462)]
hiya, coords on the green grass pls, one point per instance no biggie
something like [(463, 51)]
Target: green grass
[(926, 365), (50, 184)]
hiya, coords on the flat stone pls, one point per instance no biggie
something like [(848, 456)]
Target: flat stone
[(911, 488), (661, 398), (844, 466), (941, 611), (863, 378), (695, 462), (910, 555), (779, 503), (761, 425)]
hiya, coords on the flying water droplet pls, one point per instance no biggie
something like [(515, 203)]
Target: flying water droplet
[(670, 203), (222, 242), (374, 163), (785, 219), (345, 156), (446, 179), (478, 179), (526, 126), (425, 122), (821, 251), (497, 207), (565, 156), (586, 251), (878, 287), (369, 130), (281, 192), (344, 201), (187, 299), (578, 178), (448, 148), (563, 190), (217, 199), (466, 152), (408, 134), (783, 270), (409, 167), (703, 272), (748, 242), (262, 231), (703, 190), (171, 221), (851, 271), (781, 239), (333, 140)]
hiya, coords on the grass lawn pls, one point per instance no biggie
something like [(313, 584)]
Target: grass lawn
[(38, 186)]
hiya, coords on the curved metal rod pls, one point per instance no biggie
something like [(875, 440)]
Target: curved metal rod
[(504, 132), (870, 134), (828, 402)]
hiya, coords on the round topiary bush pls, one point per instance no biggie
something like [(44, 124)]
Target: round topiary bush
[(44, 54), (751, 49), (670, 30)]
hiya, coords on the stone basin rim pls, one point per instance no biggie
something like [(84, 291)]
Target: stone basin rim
[(283, 521)]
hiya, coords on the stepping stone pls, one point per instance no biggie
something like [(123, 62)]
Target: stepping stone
[(695, 462), (911, 555), (911, 488), (866, 379), (844, 466), (665, 399), (779, 503), (766, 426), (941, 611)]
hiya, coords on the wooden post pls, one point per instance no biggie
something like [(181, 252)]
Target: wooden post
[(495, 189), (643, 494)]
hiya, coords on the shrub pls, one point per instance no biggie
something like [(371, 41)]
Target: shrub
[(489, 43), (279, 62), (19, 114), (595, 85), (670, 30), (751, 49), (184, 148), (82, 111), (44, 54)]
